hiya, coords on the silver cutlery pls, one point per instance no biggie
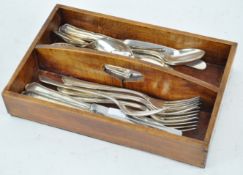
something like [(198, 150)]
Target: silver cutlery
[(137, 107), (180, 113), (123, 74), (39, 91), (70, 81), (153, 53), (171, 52), (122, 107), (92, 40)]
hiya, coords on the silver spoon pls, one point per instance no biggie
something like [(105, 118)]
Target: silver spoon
[(179, 59), (171, 52), (80, 37)]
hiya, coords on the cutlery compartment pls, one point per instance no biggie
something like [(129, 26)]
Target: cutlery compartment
[(180, 83), (155, 82), (217, 51)]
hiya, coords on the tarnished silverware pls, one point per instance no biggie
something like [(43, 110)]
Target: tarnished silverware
[(70, 81), (122, 107), (123, 74), (71, 39), (85, 35), (179, 59), (199, 64), (82, 38), (182, 113), (174, 115), (39, 91)]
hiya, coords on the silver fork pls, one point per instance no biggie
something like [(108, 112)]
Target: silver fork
[(183, 113), (173, 109), (70, 81), (39, 91), (94, 99), (123, 108), (180, 117), (135, 114)]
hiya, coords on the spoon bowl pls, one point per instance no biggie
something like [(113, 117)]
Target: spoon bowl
[(111, 45), (184, 56)]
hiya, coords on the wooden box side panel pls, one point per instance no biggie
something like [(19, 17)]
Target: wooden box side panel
[(220, 94), (28, 73), (147, 139)]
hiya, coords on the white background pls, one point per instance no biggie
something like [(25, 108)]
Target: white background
[(31, 148)]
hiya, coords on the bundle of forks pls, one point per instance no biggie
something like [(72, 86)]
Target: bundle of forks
[(125, 104)]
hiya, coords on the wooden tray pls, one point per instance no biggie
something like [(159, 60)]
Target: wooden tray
[(182, 82)]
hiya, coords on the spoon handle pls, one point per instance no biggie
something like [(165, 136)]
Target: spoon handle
[(81, 33), (137, 44), (71, 39)]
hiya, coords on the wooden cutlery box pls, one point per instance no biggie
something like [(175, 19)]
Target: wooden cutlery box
[(170, 84)]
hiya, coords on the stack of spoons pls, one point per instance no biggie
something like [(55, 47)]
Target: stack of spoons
[(146, 51)]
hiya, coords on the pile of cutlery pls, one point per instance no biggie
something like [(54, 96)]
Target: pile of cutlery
[(150, 52), (129, 105)]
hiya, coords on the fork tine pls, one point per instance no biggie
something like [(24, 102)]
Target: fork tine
[(184, 127), (179, 117), (180, 112), (182, 108), (189, 129), (181, 124), (182, 101), (183, 104), (177, 104), (177, 120)]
